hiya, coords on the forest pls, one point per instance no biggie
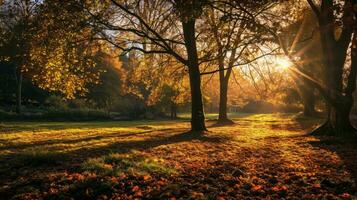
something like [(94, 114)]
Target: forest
[(178, 99)]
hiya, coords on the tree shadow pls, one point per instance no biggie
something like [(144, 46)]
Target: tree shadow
[(58, 125), (20, 146), (44, 162), (302, 123), (127, 146), (83, 153), (345, 149)]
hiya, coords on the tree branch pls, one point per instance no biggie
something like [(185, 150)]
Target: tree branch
[(314, 8), (240, 64)]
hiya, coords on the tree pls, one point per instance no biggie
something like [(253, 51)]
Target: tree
[(154, 24), (61, 57), (336, 20), (233, 37), (172, 89), (111, 84), (17, 24), (48, 41), (302, 38), (337, 35)]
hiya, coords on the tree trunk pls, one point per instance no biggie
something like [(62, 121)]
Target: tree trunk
[(197, 114), (222, 116), (308, 99), (173, 110), (18, 90), (339, 117), (223, 90), (334, 53), (309, 107), (338, 121)]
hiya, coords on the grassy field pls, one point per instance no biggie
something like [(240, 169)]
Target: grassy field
[(260, 156)]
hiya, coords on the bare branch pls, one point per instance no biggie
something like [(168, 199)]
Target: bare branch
[(240, 64)]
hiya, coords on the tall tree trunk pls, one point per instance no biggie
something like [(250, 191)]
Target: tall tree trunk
[(222, 116), (309, 106), (197, 114), (340, 104), (308, 98), (223, 84), (18, 90), (173, 110), (339, 117), (334, 50), (338, 121), (223, 88)]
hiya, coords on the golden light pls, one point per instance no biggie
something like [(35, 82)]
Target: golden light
[(283, 63)]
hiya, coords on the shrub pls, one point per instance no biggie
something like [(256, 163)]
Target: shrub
[(78, 104), (259, 107), (56, 102), (76, 114)]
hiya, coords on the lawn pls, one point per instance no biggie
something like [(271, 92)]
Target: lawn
[(260, 156)]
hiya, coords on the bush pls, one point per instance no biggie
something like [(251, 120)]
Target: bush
[(78, 104), (259, 107), (76, 114), (130, 107), (56, 102), (53, 114)]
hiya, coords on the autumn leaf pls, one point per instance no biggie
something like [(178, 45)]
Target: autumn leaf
[(257, 187), (345, 196), (146, 177)]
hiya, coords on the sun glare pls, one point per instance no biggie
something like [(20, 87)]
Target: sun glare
[(283, 63)]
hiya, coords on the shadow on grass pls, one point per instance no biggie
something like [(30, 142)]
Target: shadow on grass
[(298, 123), (346, 151), (219, 177), (45, 126), (20, 146), (43, 158), (126, 146), (23, 164)]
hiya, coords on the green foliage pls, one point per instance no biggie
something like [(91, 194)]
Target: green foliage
[(110, 89)]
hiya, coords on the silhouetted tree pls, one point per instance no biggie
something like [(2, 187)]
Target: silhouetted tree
[(337, 34)]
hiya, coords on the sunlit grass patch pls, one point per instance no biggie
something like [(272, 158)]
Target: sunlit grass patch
[(114, 164)]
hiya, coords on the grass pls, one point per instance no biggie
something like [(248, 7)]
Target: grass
[(260, 156), (116, 164)]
